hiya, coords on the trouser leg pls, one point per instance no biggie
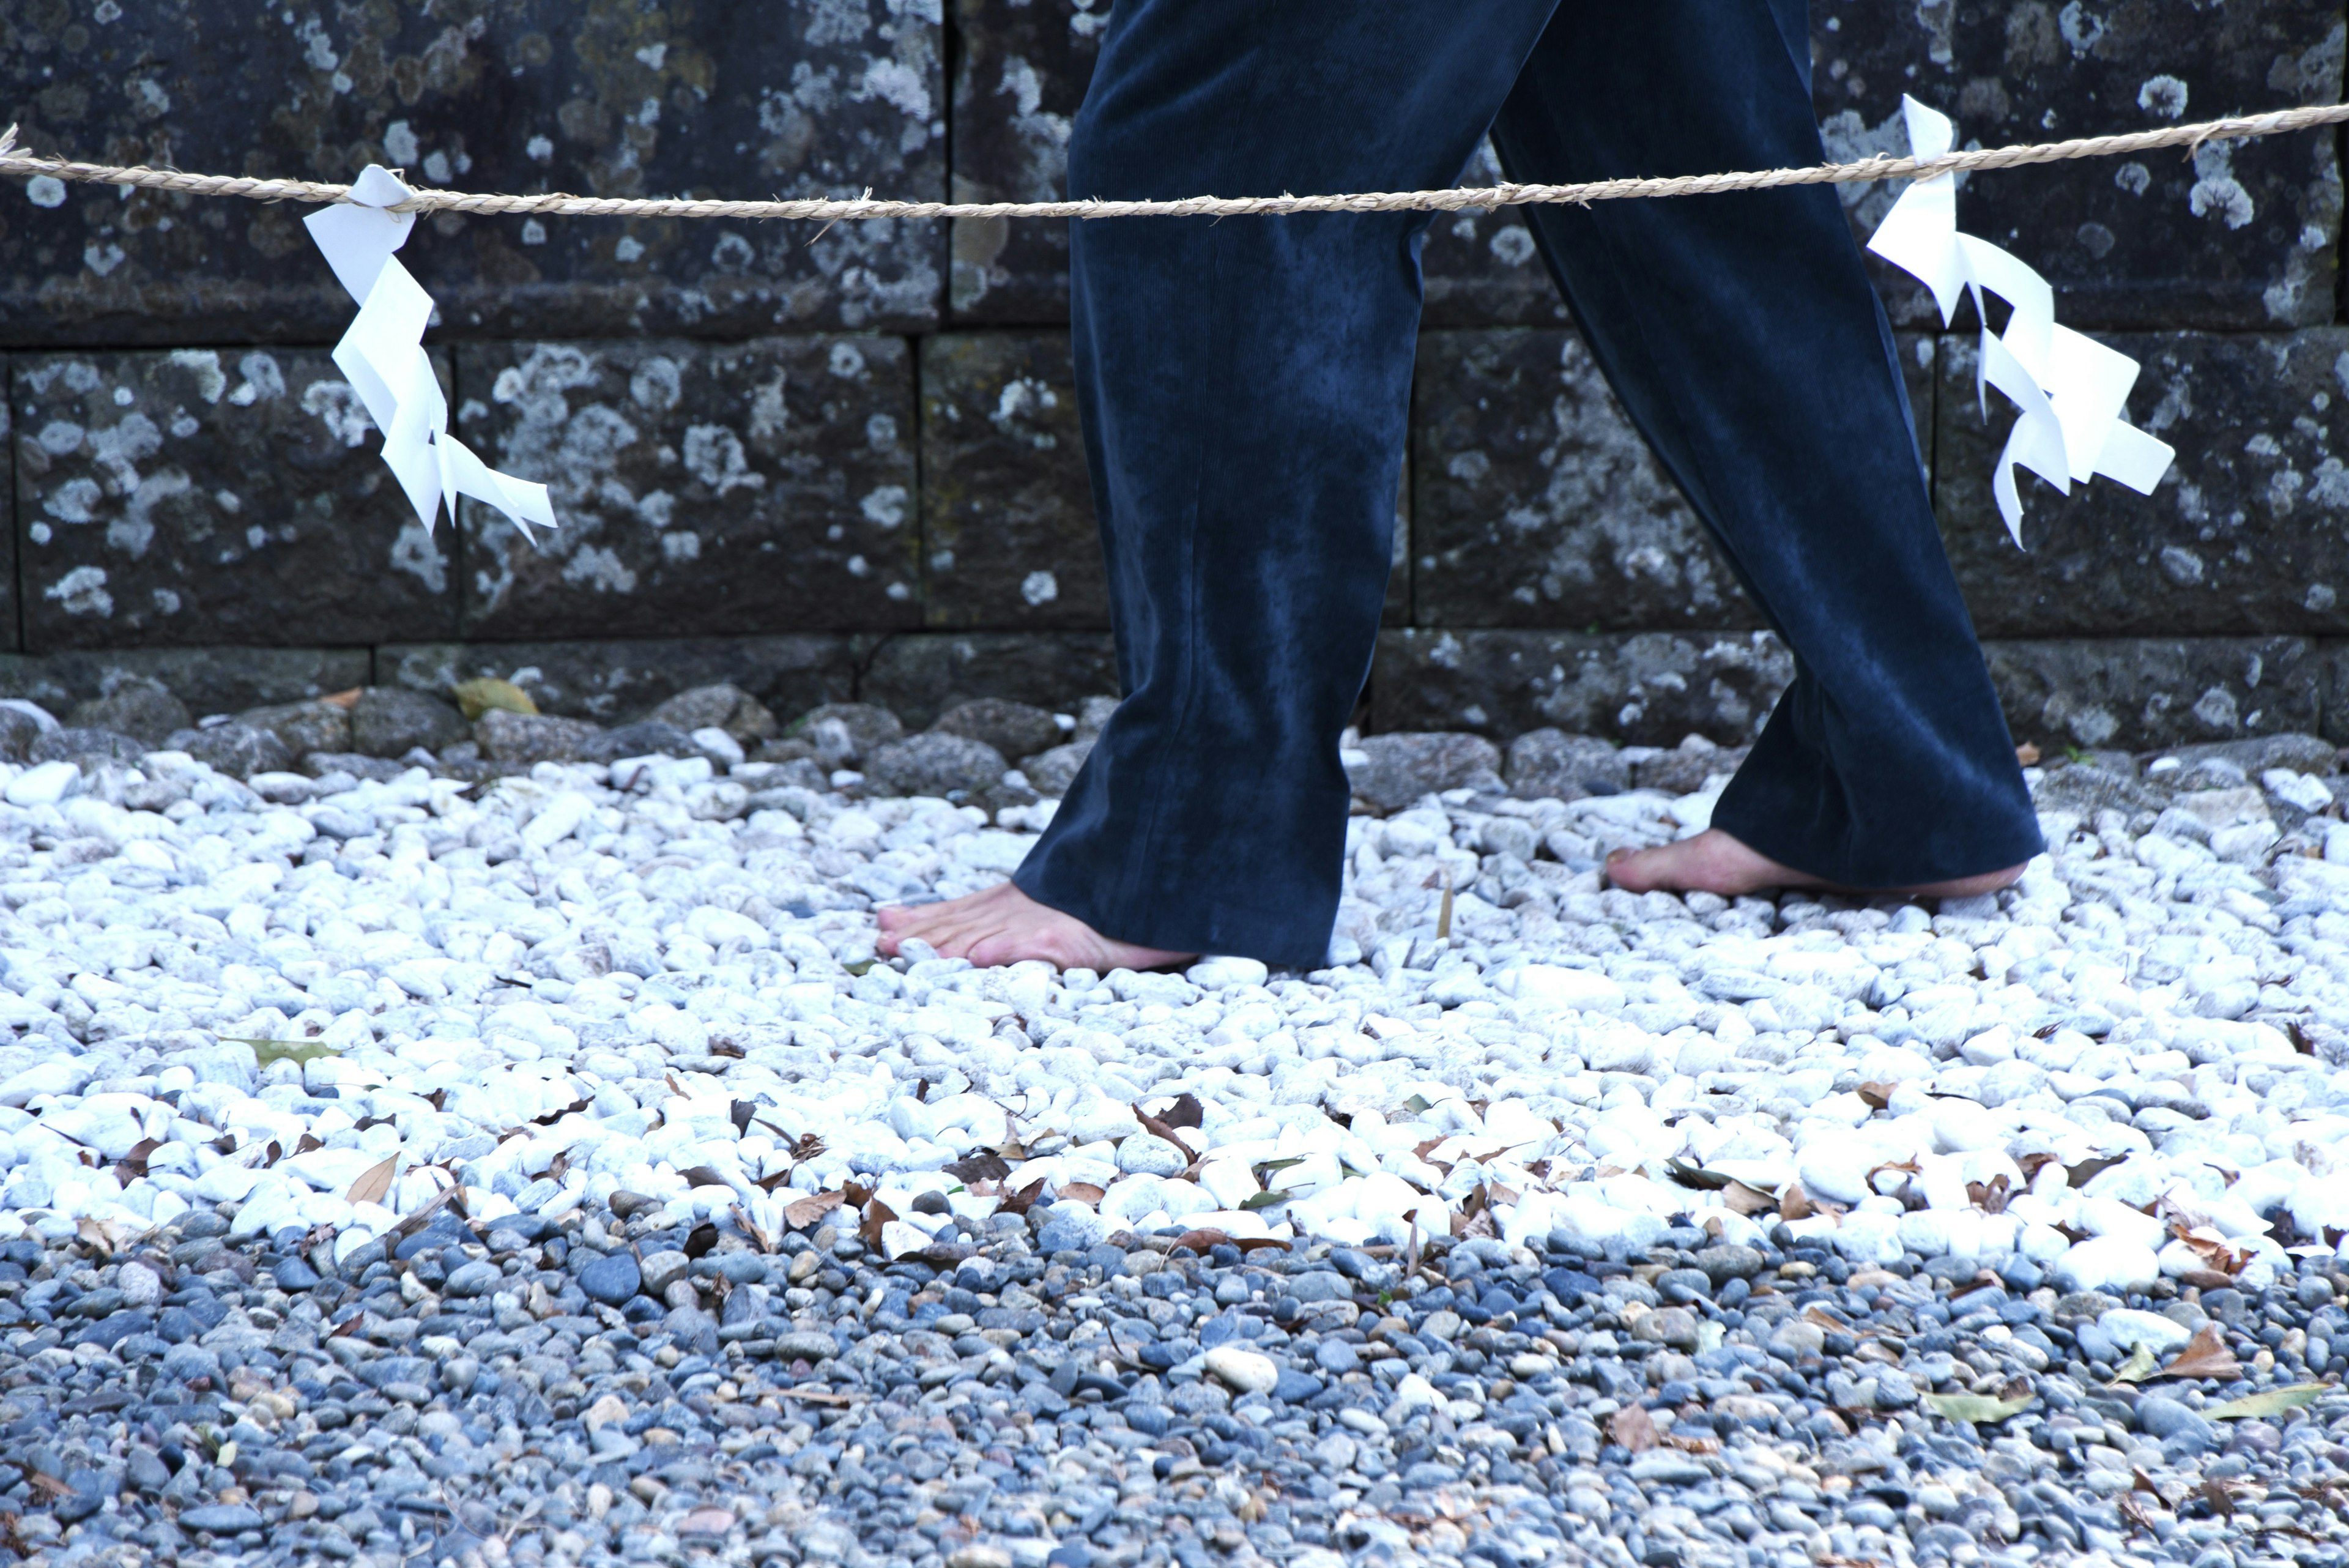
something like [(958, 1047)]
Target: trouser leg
[(1244, 386), (1741, 336)]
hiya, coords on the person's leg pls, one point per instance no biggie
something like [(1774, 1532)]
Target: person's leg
[(1245, 386), (1742, 337)]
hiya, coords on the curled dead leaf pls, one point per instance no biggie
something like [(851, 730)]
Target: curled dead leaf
[(475, 698), (1794, 1203)]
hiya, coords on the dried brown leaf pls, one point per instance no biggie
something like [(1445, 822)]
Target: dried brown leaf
[(1082, 1192), (1877, 1094), (1185, 1112), (1630, 1427), (1740, 1198), (2207, 1355), (1201, 1240), (803, 1212), (374, 1183), (133, 1165), (876, 1214), (1794, 1203)]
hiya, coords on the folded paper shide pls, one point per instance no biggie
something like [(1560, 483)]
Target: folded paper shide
[(2070, 390), (383, 355)]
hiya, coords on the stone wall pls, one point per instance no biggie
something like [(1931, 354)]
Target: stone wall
[(848, 463)]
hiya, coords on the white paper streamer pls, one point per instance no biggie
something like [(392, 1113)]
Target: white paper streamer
[(2071, 390), (383, 355)]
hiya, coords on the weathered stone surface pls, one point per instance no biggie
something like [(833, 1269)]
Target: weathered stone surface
[(724, 706), (87, 746), (304, 727), (1864, 57), (143, 709), (935, 763), (2333, 660), (1007, 531), (239, 750), (391, 720), (2248, 534), (208, 679), (1479, 266), (1014, 729), (534, 737), (730, 488), (1550, 764), (920, 676), (1646, 689), (2242, 233), (607, 682), (1052, 772), (844, 734), (2139, 693), (198, 496), (1392, 771), (1021, 72), (726, 97), (1537, 503)]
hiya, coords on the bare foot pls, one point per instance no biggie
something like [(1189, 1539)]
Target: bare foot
[(1713, 862), (1004, 925)]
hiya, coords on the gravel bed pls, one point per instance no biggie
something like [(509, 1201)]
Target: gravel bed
[(460, 1160)]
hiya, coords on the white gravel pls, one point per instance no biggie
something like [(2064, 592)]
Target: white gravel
[(257, 993)]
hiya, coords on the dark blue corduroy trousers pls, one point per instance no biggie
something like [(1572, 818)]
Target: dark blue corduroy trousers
[(1245, 384)]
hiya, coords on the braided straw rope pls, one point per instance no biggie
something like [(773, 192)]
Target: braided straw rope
[(25, 165)]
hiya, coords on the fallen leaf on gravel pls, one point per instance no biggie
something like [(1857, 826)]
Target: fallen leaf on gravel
[(702, 1176), (1747, 1201), (1201, 1240), (803, 1212), (1157, 1126), (1975, 1407), (265, 1051), (985, 1164), (2139, 1367), (1794, 1203), (1082, 1192), (876, 1214), (2205, 1356), (2259, 1406), (133, 1165), (1631, 1427), (1185, 1112), (1876, 1096), (374, 1184), (1024, 1200), (1695, 1176)]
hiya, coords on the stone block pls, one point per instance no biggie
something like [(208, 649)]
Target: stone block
[(1537, 503), (2240, 235), (201, 496), (737, 487), (1864, 57), (1022, 71), (1479, 267), (2138, 693), (1646, 689), (920, 677), (614, 681), (1009, 539), (2248, 535), (726, 97), (2333, 682), (207, 679)]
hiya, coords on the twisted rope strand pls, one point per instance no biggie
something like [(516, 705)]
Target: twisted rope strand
[(25, 165)]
